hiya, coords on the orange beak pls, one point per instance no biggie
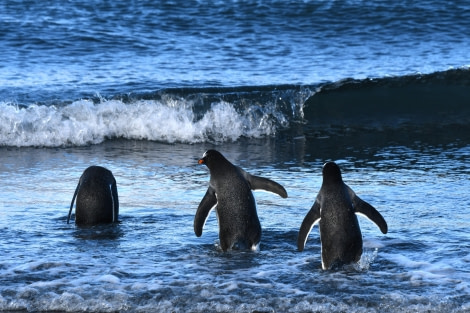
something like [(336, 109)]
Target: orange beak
[(201, 161)]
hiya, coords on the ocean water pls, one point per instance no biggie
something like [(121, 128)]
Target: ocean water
[(279, 87)]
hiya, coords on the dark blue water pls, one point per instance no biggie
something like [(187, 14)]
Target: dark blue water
[(279, 87), (68, 50)]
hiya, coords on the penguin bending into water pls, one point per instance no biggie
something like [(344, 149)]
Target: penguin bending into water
[(335, 210), (97, 198), (230, 193)]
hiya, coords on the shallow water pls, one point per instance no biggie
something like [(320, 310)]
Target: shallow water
[(153, 261)]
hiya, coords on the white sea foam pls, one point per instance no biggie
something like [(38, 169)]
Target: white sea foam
[(426, 273), (170, 120), (109, 279)]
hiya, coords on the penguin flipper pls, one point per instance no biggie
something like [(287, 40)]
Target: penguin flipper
[(312, 217), (205, 207), (115, 198), (73, 200), (365, 209), (258, 182)]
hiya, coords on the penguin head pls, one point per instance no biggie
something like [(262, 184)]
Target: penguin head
[(331, 172), (212, 157)]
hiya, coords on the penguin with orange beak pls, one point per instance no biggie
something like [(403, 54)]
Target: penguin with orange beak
[(229, 193)]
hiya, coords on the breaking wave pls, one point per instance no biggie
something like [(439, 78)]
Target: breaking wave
[(193, 115)]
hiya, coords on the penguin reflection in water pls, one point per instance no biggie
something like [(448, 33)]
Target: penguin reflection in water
[(97, 198), (335, 210), (230, 194)]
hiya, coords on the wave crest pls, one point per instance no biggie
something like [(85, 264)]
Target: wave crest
[(169, 119)]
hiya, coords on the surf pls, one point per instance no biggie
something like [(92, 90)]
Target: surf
[(227, 114)]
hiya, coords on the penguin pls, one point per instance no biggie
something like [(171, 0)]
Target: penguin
[(230, 194), (335, 210), (97, 198)]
